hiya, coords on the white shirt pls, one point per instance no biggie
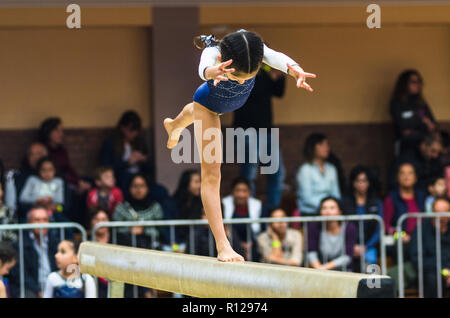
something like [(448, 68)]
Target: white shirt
[(56, 280)]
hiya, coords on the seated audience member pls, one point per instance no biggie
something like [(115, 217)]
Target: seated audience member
[(331, 244), (280, 244), (126, 151), (106, 195), (436, 188), (45, 189), (429, 256), (240, 204), (7, 216), (407, 197), (8, 257), (316, 178), (51, 134), (362, 200), (99, 215), (425, 157), (188, 203), (411, 115), (67, 282), (15, 179), (102, 235), (139, 206), (37, 266)]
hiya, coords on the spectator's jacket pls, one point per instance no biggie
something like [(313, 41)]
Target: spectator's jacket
[(401, 208), (254, 211), (115, 197), (409, 115), (429, 247), (31, 264), (373, 206)]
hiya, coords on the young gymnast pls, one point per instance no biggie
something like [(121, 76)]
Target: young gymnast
[(228, 67)]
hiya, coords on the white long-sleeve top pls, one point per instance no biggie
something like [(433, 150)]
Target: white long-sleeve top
[(271, 57)]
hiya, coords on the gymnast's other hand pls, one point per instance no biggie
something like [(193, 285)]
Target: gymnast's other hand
[(218, 72), (300, 76)]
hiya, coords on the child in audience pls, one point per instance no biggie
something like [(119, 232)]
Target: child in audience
[(67, 282), (106, 196), (436, 188), (46, 188)]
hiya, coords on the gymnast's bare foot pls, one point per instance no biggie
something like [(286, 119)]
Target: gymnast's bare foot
[(174, 134), (227, 254)]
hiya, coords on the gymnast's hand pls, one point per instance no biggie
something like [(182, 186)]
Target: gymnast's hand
[(218, 72), (300, 76)]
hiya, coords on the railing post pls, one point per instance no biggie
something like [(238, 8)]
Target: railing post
[(116, 289)]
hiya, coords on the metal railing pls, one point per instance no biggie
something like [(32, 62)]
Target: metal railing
[(41, 226), (304, 220), (399, 227), (300, 219)]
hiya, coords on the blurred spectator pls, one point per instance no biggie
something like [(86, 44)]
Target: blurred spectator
[(410, 113), (106, 195), (436, 188), (139, 206), (331, 244), (46, 189), (280, 244), (8, 258), (240, 204), (102, 235), (426, 159), (37, 266), (51, 134), (68, 282), (188, 202), (257, 113), (316, 178), (126, 151), (429, 257), (15, 179), (7, 216), (362, 200), (405, 198)]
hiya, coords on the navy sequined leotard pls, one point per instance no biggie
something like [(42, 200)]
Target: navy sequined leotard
[(225, 97), (229, 95)]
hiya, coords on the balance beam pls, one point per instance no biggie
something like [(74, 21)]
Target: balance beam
[(201, 276)]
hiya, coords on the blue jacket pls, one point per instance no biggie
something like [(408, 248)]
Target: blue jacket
[(400, 207)]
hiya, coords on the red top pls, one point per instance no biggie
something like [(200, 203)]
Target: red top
[(388, 212), (115, 197)]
